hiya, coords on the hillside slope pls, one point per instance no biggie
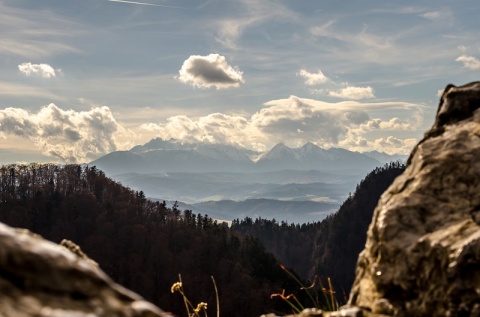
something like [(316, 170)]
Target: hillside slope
[(329, 248), (142, 245), (341, 237)]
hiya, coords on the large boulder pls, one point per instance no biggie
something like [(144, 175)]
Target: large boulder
[(42, 279), (422, 255)]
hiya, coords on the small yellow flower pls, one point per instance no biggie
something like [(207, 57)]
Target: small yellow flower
[(176, 287)]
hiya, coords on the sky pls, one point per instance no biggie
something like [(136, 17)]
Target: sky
[(82, 78)]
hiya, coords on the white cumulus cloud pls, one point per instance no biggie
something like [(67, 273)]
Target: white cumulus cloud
[(390, 144), (392, 124), (210, 71), (353, 93), (469, 62), (213, 128), (68, 135), (313, 78), (293, 121), (42, 70)]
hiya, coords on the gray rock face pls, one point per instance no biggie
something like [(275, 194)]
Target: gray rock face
[(422, 256), (42, 279)]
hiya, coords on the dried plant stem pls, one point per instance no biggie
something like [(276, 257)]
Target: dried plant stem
[(216, 295), (331, 295)]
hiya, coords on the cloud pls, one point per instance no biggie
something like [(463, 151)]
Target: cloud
[(15, 89), (390, 144), (469, 62), (293, 121), (68, 135), (230, 30), (347, 92), (146, 4), (432, 15), (374, 43), (322, 30), (250, 13), (444, 15), (313, 78), (213, 128), (353, 93), (42, 70), (392, 124), (210, 71), (363, 45), (31, 33)]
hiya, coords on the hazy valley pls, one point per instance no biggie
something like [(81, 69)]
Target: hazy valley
[(297, 185)]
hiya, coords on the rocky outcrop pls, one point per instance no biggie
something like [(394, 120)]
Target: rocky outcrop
[(422, 255), (40, 278)]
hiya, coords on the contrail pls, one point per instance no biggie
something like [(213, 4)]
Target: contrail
[(148, 4)]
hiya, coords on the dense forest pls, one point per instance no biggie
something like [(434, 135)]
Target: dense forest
[(329, 248), (144, 245), (341, 237)]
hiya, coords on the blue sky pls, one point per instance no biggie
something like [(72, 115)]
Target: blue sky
[(82, 78)]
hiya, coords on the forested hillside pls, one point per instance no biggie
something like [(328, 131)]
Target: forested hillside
[(329, 248), (341, 237), (291, 243), (143, 245)]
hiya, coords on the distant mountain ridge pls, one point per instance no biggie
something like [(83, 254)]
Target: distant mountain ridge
[(159, 155), (289, 211), (386, 158), (231, 181), (200, 186)]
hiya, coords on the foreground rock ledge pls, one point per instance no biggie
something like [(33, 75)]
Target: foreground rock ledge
[(40, 278), (422, 256)]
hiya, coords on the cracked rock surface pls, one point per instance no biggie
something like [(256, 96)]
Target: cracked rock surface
[(422, 255), (42, 279)]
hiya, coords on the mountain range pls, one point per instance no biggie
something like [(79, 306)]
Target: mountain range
[(300, 185), (304, 211), (159, 155)]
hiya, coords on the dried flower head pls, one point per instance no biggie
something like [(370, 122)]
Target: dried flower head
[(201, 306), (176, 287)]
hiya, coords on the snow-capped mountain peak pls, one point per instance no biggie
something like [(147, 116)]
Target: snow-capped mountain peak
[(175, 156), (308, 149), (160, 144), (279, 152)]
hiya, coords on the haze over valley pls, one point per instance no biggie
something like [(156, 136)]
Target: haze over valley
[(297, 185)]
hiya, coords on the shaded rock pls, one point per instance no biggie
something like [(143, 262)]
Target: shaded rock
[(422, 255), (40, 278)]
